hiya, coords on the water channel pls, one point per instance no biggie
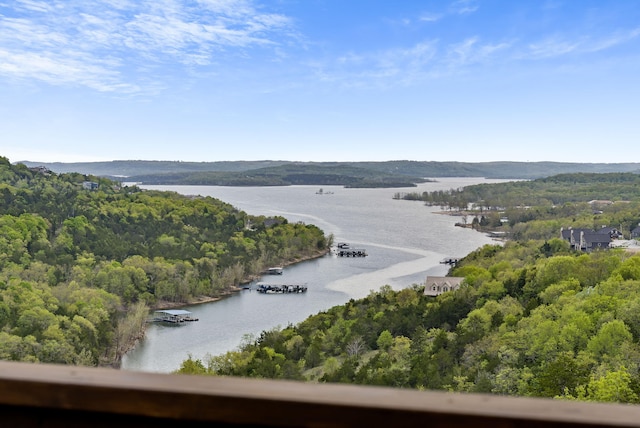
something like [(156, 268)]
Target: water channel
[(405, 242)]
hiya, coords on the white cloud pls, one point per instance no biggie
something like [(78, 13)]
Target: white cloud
[(400, 66), (551, 47), (101, 44), (464, 7), (64, 70), (430, 17), (558, 45), (613, 40), (38, 6), (470, 51)]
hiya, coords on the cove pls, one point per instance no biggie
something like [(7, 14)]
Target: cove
[(405, 242)]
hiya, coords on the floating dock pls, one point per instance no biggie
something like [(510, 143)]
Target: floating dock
[(281, 288), (351, 252), (173, 316)]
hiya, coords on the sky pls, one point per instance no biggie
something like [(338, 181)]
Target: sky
[(320, 80)]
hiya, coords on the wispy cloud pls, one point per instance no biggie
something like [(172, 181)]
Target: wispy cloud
[(472, 51), (613, 40), (72, 69), (464, 6), (406, 66), (551, 47), (101, 44), (459, 7), (437, 58), (559, 45), (430, 17), (385, 68)]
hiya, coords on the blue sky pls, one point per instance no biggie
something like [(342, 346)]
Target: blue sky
[(320, 80)]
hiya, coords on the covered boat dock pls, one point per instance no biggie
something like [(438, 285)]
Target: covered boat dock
[(351, 252), (174, 316), (281, 288)]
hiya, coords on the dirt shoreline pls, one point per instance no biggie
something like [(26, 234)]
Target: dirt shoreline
[(209, 299)]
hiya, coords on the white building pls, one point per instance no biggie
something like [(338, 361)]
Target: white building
[(436, 285)]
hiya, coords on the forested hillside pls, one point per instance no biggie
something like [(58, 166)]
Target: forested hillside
[(302, 173), (532, 318), (268, 172), (82, 260), (537, 209)]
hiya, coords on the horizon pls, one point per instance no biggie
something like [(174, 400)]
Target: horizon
[(329, 161), (470, 81)]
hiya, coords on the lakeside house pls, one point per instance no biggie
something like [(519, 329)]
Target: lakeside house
[(89, 185), (436, 285), (589, 239)]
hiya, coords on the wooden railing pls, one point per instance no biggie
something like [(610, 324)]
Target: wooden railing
[(34, 395)]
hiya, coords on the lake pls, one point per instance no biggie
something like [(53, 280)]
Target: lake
[(405, 242)]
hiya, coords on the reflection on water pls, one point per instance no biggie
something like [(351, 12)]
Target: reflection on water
[(405, 241)]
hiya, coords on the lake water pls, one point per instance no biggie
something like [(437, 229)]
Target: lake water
[(405, 242)]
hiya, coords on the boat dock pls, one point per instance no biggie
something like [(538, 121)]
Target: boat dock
[(173, 316), (351, 252), (281, 288)]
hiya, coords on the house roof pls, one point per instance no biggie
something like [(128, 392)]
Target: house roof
[(594, 237), (435, 285), (444, 280), (607, 229), (174, 312)]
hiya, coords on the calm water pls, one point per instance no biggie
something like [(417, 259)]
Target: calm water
[(405, 241)]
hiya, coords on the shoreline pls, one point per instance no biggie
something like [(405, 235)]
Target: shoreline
[(163, 304), (208, 299)]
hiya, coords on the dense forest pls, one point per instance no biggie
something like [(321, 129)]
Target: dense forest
[(533, 317), (537, 209), (82, 259), (286, 175), (267, 172)]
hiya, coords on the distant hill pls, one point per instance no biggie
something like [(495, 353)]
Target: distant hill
[(286, 175), (128, 168), (526, 170), (399, 173)]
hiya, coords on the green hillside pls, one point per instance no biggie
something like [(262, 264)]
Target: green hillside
[(288, 174), (82, 260), (532, 317)]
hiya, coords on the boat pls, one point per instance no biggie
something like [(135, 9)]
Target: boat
[(275, 270), (322, 192)]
